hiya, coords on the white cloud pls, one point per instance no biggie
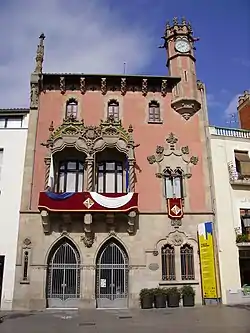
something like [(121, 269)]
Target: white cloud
[(232, 106), (81, 36), (212, 101)]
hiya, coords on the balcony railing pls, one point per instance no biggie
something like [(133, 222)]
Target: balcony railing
[(235, 177), (231, 132)]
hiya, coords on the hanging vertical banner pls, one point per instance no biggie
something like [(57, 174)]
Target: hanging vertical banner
[(208, 272)]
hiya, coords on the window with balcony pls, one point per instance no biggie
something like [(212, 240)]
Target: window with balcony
[(71, 108), (113, 109), (173, 184), (70, 176), (154, 115), (11, 121), (168, 262), (110, 177), (111, 172), (187, 262)]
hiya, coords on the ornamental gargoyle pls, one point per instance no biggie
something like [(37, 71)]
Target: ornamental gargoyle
[(171, 156)]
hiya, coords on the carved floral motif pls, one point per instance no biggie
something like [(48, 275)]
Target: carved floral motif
[(164, 87), (82, 85), (144, 88), (62, 85), (123, 86), (103, 86)]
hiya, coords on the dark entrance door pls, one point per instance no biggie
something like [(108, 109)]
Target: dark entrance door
[(112, 277), (1, 275), (63, 281)]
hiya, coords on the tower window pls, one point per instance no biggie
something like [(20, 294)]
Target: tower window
[(71, 108), (113, 109), (154, 112)]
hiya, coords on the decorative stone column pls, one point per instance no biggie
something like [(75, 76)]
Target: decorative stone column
[(90, 170), (131, 163), (47, 168), (88, 238)]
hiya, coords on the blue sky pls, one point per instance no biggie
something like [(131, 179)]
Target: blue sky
[(99, 35)]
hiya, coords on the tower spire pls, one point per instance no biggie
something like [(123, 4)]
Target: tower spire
[(40, 55)]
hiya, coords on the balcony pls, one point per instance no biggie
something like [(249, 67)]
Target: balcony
[(88, 206), (229, 132), (237, 178)]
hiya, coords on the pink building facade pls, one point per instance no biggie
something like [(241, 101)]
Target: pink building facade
[(116, 181)]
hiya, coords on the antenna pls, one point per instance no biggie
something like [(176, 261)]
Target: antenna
[(124, 67), (232, 121)]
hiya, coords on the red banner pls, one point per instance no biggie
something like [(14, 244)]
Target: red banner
[(175, 208)]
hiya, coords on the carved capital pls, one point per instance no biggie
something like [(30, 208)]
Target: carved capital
[(123, 86), (82, 85), (103, 86), (88, 240), (164, 87), (186, 107), (144, 88), (45, 221), (62, 85)]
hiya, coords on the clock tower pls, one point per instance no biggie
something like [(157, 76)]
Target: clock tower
[(179, 43)]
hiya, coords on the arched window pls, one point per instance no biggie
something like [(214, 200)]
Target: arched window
[(154, 115), (173, 183), (71, 108), (168, 262), (70, 176), (110, 177), (187, 262), (113, 109)]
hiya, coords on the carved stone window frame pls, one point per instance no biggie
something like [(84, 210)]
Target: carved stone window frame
[(71, 96), (157, 100), (178, 172), (109, 97)]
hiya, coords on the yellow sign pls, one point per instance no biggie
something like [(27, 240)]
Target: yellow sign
[(206, 246)]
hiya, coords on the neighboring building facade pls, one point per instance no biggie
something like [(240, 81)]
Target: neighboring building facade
[(103, 197), (230, 150), (13, 134)]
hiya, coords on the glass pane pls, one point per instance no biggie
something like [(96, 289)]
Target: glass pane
[(100, 182), (71, 165), (119, 182), (100, 167), (61, 182), (119, 167), (80, 182), (62, 166), (80, 166), (177, 187), (110, 183), (110, 166), (2, 122), (14, 122), (71, 182), (169, 187)]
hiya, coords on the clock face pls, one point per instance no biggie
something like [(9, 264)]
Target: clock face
[(182, 45)]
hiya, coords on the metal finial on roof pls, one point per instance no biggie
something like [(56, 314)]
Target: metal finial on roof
[(40, 54)]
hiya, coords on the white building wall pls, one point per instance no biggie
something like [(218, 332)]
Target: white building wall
[(13, 143), (229, 201)]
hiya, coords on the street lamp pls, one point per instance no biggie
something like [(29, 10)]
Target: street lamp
[(246, 223)]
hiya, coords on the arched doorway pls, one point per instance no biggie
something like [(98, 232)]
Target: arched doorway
[(63, 276), (112, 276)]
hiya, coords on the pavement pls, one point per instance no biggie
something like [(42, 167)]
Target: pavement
[(207, 319)]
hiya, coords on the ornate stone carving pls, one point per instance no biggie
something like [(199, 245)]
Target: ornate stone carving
[(162, 154), (90, 166), (123, 86), (27, 242), (88, 240), (82, 85), (131, 222), (164, 87), (45, 221), (40, 54), (144, 88), (62, 85), (103, 86), (186, 107), (176, 223), (34, 95), (176, 239), (47, 168)]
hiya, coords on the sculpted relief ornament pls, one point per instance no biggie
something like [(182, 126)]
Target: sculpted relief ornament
[(166, 157)]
